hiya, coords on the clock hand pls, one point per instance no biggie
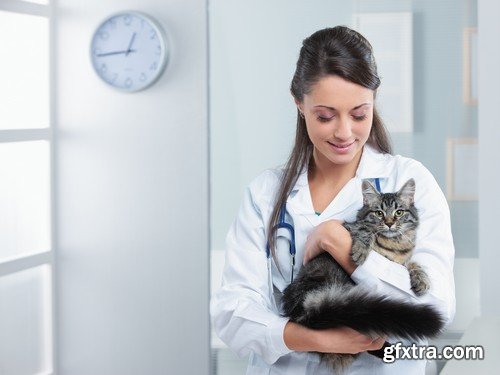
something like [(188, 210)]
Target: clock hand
[(115, 53), (130, 44)]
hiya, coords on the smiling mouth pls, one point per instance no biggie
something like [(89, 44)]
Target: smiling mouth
[(341, 146)]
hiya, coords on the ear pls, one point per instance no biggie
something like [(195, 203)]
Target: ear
[(370, 194), (298, 104), (407, 192)]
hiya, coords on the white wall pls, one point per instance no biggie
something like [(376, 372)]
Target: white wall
[(254, 46), (132, 210), (489, 135)]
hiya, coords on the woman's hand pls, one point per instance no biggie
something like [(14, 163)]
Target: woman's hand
[(332, 237), (346, 340), (331, 340)]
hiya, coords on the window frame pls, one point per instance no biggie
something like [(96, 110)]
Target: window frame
[(30, 261)]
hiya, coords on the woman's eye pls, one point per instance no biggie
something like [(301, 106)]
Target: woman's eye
[(324, 119), (399, 213), (359, 118)]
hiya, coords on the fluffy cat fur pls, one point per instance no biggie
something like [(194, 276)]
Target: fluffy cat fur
[(324, 296)]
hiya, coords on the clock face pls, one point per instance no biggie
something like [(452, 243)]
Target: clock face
[(129, 51)]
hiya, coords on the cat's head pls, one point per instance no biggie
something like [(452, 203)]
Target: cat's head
[(389, 214)]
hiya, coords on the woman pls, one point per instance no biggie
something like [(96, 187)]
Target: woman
[(340, 140)]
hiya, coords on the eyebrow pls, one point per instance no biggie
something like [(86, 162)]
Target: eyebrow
[(332, 108)]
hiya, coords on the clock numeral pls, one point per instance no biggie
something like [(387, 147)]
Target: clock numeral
[(153, 66), (158, 49), (152, 34), (112, 23), (114, 77), (103, 68), (104, 35), (127, 20), (128, 82), (142, 77)]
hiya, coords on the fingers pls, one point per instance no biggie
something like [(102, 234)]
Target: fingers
[(377, 343), (309, 250), (305, 259), (310, 254), (347, 340)]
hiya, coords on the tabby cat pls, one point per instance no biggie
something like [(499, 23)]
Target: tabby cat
[(324, 296)]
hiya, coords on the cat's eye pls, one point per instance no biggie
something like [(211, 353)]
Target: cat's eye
[(379, 213), (399, 213)]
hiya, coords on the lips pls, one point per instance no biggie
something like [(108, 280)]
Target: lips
[(341, 145)]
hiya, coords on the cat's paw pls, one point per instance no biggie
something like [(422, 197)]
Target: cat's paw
[(359, 253), (420, 283)]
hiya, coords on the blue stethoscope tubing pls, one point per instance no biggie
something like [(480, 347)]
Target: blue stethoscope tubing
[(287, 231)]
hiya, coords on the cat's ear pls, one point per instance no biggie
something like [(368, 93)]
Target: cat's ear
[(407, 192), (370, 194)]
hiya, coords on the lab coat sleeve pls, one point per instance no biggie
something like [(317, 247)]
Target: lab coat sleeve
[(241, 309), (434, 251)]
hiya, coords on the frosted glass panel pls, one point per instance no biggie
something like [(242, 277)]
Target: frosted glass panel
[(24, 71), (25, 317), (24, 198), (390, 34)]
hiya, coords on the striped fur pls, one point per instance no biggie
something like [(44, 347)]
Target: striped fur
[(324, 296)]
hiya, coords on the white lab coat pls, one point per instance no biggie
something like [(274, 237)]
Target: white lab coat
[(245, 318)]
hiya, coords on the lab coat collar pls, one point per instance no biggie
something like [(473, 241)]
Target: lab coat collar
[(371, 165)]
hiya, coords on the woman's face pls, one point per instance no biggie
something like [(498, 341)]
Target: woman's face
[(339, 117)]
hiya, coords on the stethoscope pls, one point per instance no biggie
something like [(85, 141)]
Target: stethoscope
[(286, 231)]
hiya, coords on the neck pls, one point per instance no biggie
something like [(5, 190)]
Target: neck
[(325, 170)]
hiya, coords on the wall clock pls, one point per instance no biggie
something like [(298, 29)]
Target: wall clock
[(129, 51)]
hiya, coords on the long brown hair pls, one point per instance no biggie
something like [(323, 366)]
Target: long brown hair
[(336, 51)]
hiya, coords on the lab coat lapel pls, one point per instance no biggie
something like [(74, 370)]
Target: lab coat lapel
[(372, 165), (348, 199), (299, 202)]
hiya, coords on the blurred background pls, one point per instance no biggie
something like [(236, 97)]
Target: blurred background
[(114, 206)]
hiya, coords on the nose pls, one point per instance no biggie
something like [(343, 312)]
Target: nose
[(343, 129)]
